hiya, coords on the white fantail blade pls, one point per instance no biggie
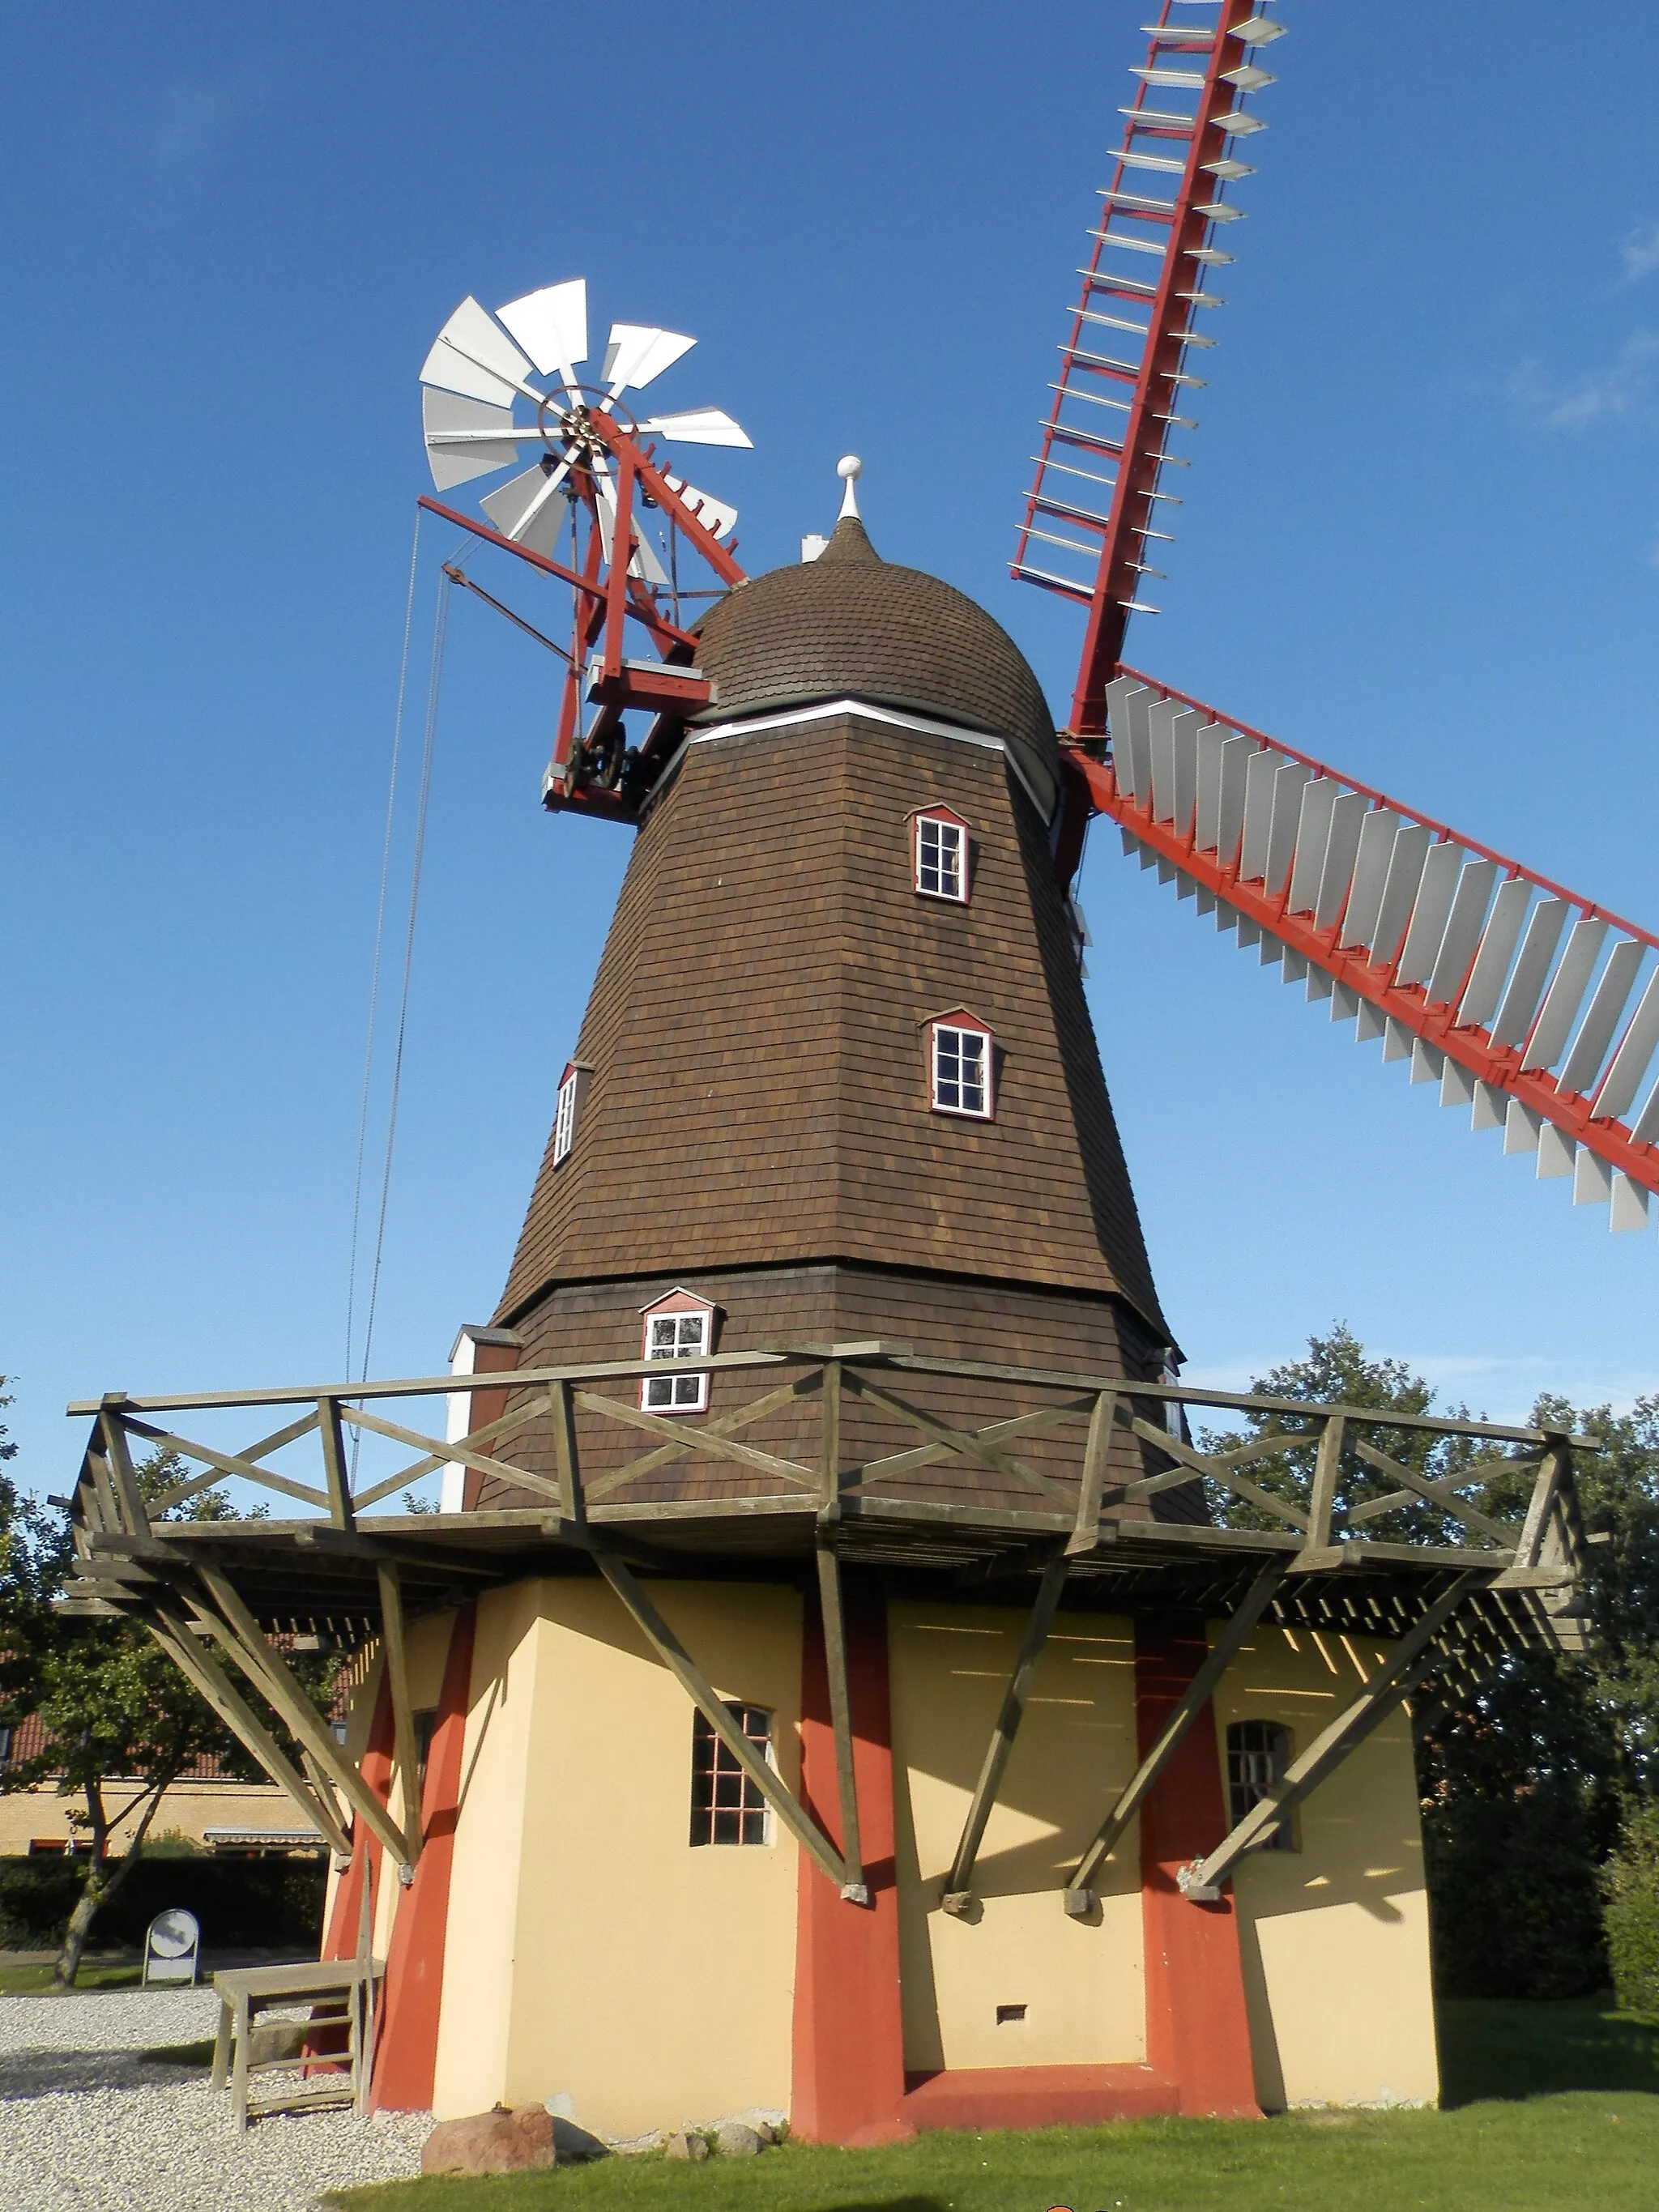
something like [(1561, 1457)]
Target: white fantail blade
[(527, 510), (469, 424), (551, 325), (473, 355), (638, 352), (700, 426), (714, 514), (1629, 1204), (646, 563)]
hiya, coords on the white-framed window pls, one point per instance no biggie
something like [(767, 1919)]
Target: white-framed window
[(572, 1091), (940, 855), (677, 1327), (961, 1073), (725, 1806)]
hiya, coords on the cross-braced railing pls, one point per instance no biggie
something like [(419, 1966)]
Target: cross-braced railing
[(1474, 1527)]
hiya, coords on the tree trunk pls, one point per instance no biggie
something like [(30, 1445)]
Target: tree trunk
[(104, 1877)]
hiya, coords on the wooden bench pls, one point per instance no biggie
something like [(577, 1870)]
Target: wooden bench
[(339, 2031)]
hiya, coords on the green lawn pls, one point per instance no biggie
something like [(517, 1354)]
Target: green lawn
[(30, 1981), (1555, 2107)]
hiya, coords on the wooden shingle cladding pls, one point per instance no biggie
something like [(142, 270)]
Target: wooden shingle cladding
[(758, 1038), (851, 625)]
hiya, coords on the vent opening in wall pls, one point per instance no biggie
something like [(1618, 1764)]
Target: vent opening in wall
[(1008, 2014)]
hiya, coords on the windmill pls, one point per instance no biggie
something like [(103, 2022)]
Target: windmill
[(828, 1435), (1517, 999), (591, 483)]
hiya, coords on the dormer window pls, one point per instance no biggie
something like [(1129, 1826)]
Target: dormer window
[(572, 1091), (961, 1076), (940, 855), (677, 1327)]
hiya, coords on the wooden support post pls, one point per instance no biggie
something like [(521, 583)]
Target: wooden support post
[(830, 1449), (334, 1463), (186, 1655), (406, 1752), (697, 1687), (564, 1444), (958, 1885), (242, 1636), (1085, 1534), (1201, 1881), (123, 1472), (1554, 1469), (1078, 1896), (854, 1887), (1328, 1469)]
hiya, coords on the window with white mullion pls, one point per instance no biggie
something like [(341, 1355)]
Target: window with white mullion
[(676, 1336), (961, 1071), (941, 857)]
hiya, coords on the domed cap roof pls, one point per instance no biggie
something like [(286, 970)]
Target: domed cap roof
[(851, 625)]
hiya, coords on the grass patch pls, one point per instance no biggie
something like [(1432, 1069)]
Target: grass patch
[(1507, 2049), (35, 1980), (181, 2054), (1550, 2108), (1553, 2154)]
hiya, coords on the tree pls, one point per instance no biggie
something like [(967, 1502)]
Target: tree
[(121, 1723), (1524, 1785)]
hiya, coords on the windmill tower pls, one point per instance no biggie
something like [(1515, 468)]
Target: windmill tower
[(849, 1691)]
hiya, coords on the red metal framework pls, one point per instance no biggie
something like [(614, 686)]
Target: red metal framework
[(1188, 104), (1510, 991), (610, 489)]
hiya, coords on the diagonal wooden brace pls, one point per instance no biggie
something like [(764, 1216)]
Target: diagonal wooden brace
[(240, 1634), (402, 1711), (966, 1441), (1078, 1896), (174, 1637), (697, 1686), (1411, 1657), (853, 1887), (703, 1439), (959, 1883)]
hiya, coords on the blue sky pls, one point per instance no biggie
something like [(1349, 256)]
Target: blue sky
[(1421, 540)]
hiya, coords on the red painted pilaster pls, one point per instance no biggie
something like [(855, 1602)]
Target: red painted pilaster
[(407, 2055), (346, 1919), (1198, 2033), (848, 2032)]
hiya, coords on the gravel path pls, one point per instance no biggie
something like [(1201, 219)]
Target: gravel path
[(88, 2125)]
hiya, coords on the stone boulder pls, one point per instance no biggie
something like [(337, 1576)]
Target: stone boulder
[(737, 2139), (498, 2142), (686, 2145)]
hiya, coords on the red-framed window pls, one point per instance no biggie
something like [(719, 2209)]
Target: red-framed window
[(676, 1328), (940, 855), (962, 1066)]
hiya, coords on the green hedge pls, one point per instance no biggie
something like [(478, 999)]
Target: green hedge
[(264, 1904), (1631, 1882)]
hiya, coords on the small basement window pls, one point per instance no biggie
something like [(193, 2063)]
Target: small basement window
[(573, 1092), (960, 1067), (941, 855), (1258, 1758), (680, 1327), (725, 1806)]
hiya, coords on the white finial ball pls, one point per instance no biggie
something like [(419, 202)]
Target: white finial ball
[(849, 466)]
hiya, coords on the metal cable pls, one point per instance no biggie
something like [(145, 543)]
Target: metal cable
[(379, 939), (439, 629)]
